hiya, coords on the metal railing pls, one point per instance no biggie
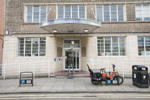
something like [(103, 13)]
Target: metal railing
[(14, 69), (44, 68)]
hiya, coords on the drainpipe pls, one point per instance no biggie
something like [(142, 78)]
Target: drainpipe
[(5, 1)]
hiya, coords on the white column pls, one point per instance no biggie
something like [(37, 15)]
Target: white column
[(51, 52), (132, 46), (91, 53)]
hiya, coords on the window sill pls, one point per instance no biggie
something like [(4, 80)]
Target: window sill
[(143, 56), (112, 56), (126, 22), (31, 56), (30, 23)]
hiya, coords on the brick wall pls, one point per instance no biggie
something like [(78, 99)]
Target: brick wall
[(15, 15), (1, 27)]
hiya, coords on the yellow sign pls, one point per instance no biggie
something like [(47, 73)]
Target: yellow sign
[(72, 42)]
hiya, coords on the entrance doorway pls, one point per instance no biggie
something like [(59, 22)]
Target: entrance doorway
[(72, 54)]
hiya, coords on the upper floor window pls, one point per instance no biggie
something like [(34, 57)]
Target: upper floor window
[(111, 46), (35, 14), (144, 45), (143, 12), (71, 11), (31, 46), (110, 13)]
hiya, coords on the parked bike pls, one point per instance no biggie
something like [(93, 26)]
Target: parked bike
[(104, 77)]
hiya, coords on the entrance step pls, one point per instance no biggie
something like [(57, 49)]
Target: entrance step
[(76, 74)]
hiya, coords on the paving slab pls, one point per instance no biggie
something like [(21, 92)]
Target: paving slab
[(65, 85)]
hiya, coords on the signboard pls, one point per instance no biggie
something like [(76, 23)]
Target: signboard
[(62, 21)]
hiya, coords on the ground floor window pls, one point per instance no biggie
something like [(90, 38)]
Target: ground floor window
[(111, 46), (144, 45), (31, 47)]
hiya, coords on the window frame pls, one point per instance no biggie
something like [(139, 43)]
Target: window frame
[(145, 51), (31, 46), (124, 12), (85, 12), (142, 9), (26, 15), (111, 46)]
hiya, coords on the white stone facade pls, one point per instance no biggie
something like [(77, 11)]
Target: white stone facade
[(14, 64)]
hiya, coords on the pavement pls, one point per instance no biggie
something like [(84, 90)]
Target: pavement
[(65, 85)]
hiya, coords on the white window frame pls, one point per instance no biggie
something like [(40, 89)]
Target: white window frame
[(142, 9), (119, 54), (71, 11), (124, 13), (145, 54), (31, 46), (25, 14)]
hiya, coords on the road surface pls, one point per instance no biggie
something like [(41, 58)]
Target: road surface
[(76, 96)]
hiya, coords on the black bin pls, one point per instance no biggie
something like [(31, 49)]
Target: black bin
[(140, 76)]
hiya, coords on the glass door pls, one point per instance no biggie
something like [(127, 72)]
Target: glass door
[(72, 54), (72, 59)]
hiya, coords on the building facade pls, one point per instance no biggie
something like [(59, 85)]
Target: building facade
[(44, 34), (1, 30)]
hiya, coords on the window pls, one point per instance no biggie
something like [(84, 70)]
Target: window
[(110, 13), (31, 47), (68, 44), (143, 12), (71, 11), (111, 46), (35, 14), (106, 13), (144, 45)]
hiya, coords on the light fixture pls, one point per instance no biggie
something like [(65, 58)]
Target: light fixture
[(54, 31), (86, 30)]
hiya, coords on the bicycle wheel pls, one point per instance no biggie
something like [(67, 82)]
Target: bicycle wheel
[(94, 82), (119, 79)]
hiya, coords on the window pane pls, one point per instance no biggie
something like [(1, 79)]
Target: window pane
[(68, 44), (36, 14), (21, 47), (99, 13), (60, 12), (106, 13), (122, 46), (67, 11), (42, 46), (29, 14), (139, 12), (74, 11), (28, 47), (113, 13), (141, 45), (43, 14), (120, 13), (115, 46), (100, 46), (81, 11), (35, 46), (107, 46), (147, 44), (146, 10)]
